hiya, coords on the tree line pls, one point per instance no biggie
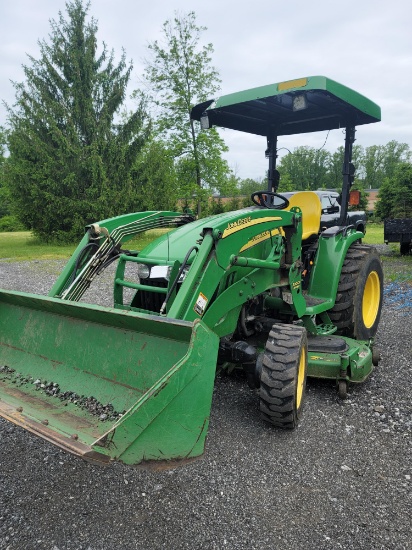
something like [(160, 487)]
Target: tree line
[(72, 152)]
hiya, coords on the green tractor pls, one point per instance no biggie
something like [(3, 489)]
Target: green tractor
[(260, 288)]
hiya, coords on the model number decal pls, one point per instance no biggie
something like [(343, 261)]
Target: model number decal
[(242, 223), (256, 239)]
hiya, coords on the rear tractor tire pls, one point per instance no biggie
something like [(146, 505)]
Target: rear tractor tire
[(283, 375), (358, 305)]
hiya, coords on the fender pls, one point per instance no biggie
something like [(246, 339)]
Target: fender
[(333, 246)]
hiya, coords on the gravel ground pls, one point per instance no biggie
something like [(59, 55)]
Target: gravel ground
[(341, 480)]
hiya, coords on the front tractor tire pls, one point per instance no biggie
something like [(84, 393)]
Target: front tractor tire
[(283, 375), (358, 305)]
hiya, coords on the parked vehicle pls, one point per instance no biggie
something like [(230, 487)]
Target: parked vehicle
[(399, 230), (331, 211)]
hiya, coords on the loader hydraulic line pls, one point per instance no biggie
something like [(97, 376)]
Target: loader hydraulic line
[(242, 261), (177, 277)]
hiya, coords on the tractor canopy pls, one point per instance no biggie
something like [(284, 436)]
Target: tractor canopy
[(308, 104)]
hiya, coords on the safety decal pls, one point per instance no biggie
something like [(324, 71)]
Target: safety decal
[(200, 304)]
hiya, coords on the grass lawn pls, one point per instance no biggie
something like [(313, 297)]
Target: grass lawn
[(21, 245), (374, 233), (396, 268)]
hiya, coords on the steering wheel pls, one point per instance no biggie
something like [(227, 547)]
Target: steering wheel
[(267, 200)]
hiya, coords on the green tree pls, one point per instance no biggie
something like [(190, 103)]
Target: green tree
[(285, 184), (248, 186), (335, 166), (386, 200), (71, 159), (402, 207), (180, 75), (395, 195), (2, 146), (306, 167), (4, 196), (381, 161), (155, 177), (395, 153), (373, 160)]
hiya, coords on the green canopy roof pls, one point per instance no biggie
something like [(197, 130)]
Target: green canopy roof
[(308, 104)]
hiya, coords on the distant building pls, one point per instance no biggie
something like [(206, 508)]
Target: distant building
[(372, 198)]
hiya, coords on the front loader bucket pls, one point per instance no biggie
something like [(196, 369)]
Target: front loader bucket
[(105, 384)]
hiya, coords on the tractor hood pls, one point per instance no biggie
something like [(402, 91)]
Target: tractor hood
[(175, 244)]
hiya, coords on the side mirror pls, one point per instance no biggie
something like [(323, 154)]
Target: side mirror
[(330, 210)]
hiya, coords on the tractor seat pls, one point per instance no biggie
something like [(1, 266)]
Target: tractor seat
[(310, 204)]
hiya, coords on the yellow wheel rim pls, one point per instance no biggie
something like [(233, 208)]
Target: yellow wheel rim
[(371, 299), (301, 378)]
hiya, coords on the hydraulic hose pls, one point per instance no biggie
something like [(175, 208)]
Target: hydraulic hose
[(179, 273)]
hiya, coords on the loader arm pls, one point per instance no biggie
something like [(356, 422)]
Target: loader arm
[(102, 244)]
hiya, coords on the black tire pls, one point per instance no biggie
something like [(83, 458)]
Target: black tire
[(358, 305), (343, 389), (404, 249), (283, 375), (376, 357)]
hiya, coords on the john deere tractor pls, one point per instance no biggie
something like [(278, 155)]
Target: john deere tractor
[(260, 288)]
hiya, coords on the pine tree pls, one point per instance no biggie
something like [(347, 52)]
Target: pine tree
[(72, 153)]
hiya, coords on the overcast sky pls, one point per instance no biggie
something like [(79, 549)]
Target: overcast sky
[(364, 44)]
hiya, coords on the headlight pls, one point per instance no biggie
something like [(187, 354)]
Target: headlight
[(158, 272), (143, 271)]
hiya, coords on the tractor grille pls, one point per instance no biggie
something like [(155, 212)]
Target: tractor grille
[(151, 301)]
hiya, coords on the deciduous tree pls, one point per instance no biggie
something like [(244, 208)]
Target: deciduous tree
[(402, 207), (180, 75), (395, 195), (306, 167)]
